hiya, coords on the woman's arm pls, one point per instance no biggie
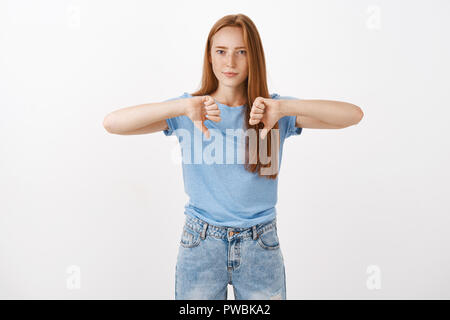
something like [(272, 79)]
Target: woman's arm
[(144, 118), (152, 127), (321, 113)]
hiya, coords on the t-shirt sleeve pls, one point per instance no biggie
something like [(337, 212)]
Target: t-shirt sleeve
[(292, 130), (176, 122), (287, 123)]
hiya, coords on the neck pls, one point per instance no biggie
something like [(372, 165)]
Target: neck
[(232, 97)]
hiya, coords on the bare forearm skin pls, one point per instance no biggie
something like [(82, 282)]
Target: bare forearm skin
[(132, 118), (333, 112)]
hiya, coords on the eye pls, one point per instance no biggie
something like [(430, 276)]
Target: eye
[(239, 51)]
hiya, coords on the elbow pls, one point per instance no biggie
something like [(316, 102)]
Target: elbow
[(108, 123), (353, 117), (359, 114)]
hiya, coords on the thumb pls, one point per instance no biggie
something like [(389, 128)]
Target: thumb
[(205, 131), (201, 126), (264, 132)]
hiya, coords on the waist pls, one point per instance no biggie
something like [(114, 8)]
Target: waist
[(226, 218), (223, 232)]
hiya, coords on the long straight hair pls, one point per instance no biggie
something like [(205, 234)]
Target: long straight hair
[(256, 86)]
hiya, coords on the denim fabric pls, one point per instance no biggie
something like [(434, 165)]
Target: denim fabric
[(211, 257)]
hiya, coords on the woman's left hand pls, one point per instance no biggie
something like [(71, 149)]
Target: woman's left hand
[(267, 111)]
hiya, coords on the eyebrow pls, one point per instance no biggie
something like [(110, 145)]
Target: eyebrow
[(222, 47)]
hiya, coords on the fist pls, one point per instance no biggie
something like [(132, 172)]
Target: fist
[(203, 108), (266, 111)]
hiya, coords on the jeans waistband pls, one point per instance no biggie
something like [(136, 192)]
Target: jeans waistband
[(205, 228)]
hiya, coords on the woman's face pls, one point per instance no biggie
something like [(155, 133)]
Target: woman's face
[(229, 54)]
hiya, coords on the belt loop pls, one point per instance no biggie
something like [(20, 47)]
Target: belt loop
[(203, 235), (255, 235)]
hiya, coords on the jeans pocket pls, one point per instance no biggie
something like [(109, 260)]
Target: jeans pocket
[(268, 240), (189, 238)]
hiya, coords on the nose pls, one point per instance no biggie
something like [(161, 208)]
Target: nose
[(230, 60)]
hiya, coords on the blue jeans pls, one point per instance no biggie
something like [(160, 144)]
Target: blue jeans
[(211, 257)]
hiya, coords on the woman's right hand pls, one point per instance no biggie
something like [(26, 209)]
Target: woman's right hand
[(201, 108)]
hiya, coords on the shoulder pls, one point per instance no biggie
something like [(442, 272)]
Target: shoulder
[(183, 96), (274, 96), (280, 97)]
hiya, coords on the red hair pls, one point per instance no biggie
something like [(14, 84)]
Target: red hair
[(256, 86)]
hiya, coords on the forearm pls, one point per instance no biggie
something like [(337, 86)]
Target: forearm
[(332, 112), (136, 117)]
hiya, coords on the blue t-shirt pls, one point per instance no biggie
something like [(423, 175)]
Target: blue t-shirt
[(220, 190)]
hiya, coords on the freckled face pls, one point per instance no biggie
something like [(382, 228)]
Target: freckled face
[(229, 54)]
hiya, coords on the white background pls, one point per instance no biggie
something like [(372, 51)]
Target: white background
[(85, 214)]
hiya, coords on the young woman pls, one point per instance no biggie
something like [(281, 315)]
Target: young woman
[(230, 232)]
